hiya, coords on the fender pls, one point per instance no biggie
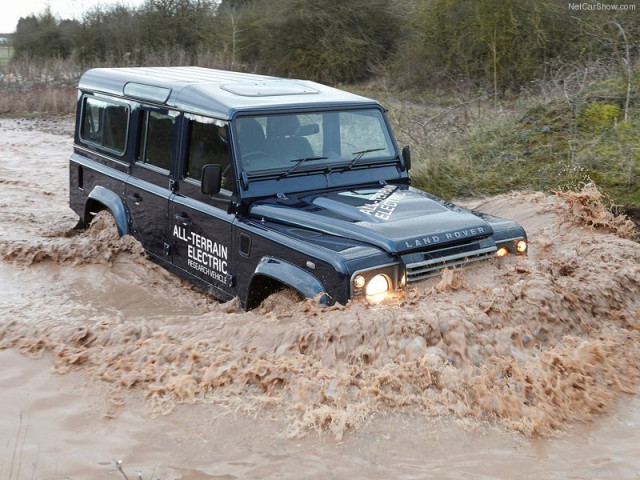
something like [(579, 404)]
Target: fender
[(292, 276), (114, 203)]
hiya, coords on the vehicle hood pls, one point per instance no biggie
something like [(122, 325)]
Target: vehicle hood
[(396, 218)]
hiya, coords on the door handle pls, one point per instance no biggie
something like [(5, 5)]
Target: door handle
[(135, 198), (182, 218)]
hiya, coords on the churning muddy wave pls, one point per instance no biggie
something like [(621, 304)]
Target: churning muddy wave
[(100, 244), (531, 344)]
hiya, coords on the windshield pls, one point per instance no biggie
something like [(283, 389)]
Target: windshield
[(311, 141)]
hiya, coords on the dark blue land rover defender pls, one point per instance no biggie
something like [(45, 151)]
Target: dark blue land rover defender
[(247, 184)]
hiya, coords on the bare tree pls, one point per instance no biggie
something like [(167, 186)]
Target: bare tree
[(626, 61)]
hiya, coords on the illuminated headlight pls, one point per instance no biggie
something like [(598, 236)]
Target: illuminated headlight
[(521, 246), (502, 252), (377, 285)]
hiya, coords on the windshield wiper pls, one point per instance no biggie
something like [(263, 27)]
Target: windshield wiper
[(360, 154), (298, 162)]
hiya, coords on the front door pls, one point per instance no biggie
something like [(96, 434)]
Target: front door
[(200, 225), (201, 238)]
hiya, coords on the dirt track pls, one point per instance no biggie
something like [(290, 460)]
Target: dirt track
[(530, 345)]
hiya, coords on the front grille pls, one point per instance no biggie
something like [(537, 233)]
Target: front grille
[(432, 266)]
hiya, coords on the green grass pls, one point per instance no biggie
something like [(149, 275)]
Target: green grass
[(557, 143)]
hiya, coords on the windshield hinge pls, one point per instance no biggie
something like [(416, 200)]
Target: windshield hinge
[(244, 180), (282, 196)]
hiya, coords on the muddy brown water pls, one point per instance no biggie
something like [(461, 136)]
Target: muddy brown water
[(522, 368)]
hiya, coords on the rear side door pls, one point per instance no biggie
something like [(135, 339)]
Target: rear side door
[(149, 188), (201, 228)]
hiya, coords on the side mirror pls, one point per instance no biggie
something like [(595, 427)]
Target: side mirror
[(406, 154), (211, 179)]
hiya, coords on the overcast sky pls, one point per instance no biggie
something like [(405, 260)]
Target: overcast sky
[(12, 10)]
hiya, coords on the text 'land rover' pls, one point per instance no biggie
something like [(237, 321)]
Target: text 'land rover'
[(247, 184)]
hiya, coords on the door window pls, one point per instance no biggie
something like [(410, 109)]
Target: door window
[(208, 145), (156, 139)]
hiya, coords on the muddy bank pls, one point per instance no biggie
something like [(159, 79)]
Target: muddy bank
[(531, 345)]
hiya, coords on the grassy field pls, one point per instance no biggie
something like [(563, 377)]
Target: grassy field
[(6, 52), (556, 141)]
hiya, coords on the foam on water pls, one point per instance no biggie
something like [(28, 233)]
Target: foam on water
[(530, 344)]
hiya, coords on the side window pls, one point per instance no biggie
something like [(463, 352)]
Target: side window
[(208, 144), (105, 124), (156, 139)]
